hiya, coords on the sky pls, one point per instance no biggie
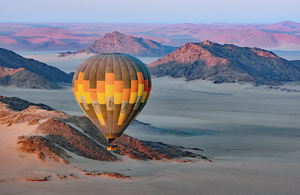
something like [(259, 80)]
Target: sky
[(150, 11)]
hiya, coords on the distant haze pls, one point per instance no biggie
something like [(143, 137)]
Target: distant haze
[(154, 11)]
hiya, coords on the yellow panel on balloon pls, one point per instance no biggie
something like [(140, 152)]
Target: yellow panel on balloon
[(109, 90), (144, 96), (101, 98), (118, 98), (80, 90), (121, 118), (100, 117), (133, 97), (87, 97), (141, 89)]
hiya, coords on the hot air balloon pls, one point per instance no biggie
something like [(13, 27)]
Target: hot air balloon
[(112, 89)]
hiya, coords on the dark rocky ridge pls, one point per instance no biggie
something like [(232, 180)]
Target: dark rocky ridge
[(28, 80), (43, 148), (18, 104), (69, 138), (121, 43), (226, 64), (9, 59)]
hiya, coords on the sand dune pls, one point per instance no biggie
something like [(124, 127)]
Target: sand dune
[(264, 169)]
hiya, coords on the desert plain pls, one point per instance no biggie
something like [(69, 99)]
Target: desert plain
[(250, 133)]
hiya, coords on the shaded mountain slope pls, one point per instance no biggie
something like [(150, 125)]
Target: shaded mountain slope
[(9, 59), (18, 104), (25, 79)]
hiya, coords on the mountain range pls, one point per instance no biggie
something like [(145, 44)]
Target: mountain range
[(226, 64), (218, 63), (18, 71), (121, 43), (283, 35)]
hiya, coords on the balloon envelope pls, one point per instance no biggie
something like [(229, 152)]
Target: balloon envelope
[(112, 89)]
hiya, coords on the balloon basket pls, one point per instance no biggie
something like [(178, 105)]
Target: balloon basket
[(111, 148)]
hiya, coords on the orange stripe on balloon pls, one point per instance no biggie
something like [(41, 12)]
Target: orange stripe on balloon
[(101, 86), (86, 86), (80, 77), (118, 86), (93, 93), (126, 94), (109, 78), (134, 86), (140, 78)]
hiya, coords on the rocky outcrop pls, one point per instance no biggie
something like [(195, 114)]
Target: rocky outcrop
[(67, 137), (121, 43), (136, 149), (173, 152), (147, 150), (87, 127), (9, 71), (226, 64), (31, 115), (43, 148), (115, 175), (37, 178), (264, 53)]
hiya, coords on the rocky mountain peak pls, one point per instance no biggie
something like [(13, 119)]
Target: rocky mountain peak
[(226, 63), (264, 53), (9, 71), (189, 53), (207, 42), (114, 35), (121, 43)]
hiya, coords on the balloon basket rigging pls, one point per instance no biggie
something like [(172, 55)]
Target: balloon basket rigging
[(112, 147)]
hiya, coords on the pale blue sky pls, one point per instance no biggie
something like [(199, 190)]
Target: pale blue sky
[(150, 11)]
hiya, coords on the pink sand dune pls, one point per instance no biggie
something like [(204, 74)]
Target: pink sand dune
[(287, 38), (87, 40), (284, 25), (6, 40), (44, 31), (43, 40), (251, 40), (52, 33), (47, 32)]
